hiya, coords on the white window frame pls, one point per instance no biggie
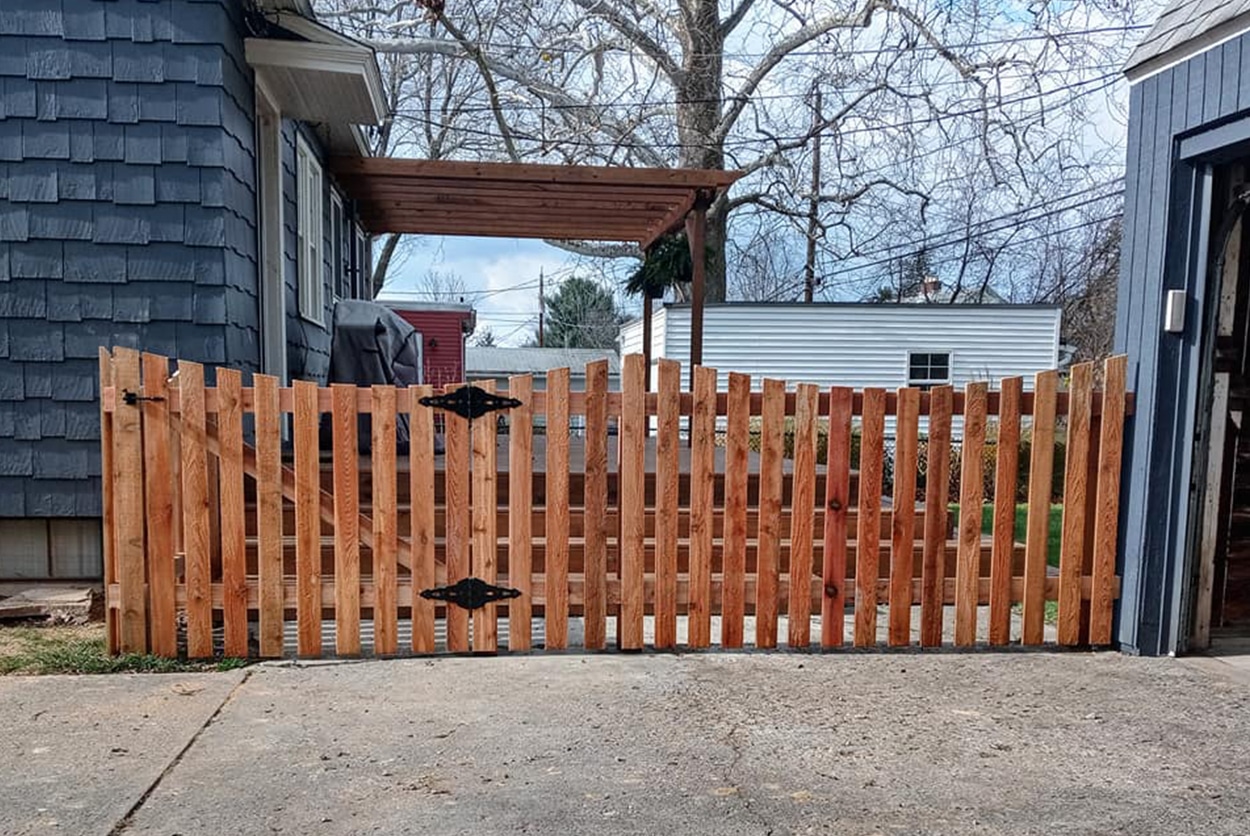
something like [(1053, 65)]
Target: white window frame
[(340, 278), (310, 260), (361, 266), (929, 382)]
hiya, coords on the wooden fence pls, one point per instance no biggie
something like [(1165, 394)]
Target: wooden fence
[(227, 522)]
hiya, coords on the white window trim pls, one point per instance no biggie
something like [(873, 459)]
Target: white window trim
[(338, 269), (310, 260), (362, 269), (930, 382)]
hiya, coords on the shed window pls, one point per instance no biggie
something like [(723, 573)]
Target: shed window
[(310, 199), (926, 369)]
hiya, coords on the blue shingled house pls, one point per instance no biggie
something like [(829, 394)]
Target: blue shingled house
[(161, 187)]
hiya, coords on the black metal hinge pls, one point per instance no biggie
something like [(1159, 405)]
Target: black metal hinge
[(469, 402), (470, 593), (132, 398)]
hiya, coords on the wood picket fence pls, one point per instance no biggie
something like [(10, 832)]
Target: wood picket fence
[(230, 530)]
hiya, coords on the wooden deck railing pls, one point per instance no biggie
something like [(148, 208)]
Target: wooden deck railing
[(665, 524)]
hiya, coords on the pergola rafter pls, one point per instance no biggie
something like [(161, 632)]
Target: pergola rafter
[(556, 202)]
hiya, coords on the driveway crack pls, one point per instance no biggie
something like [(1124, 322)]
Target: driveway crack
[(123, 824)]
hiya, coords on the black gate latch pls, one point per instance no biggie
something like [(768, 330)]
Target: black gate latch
[(469, 402), (470, 593)]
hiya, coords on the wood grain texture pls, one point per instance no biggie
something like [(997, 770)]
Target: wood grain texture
[(557, 533), (903, 516), (128, 496), (423, 533), (112, 627), (632, 500), (195, 509), (1075, 484), (1041, 469), (159, 507), (772, 451), (802, 509), (384, 491), (837, 506), (233, 527), (737, 461), (485, 508), (596, 505), (971, 497), (702, 505), (269, 515), (1007, 469), (1106, 525), (307, 518), (868, 533), (456, 464), (346, 521), (668, 429), (936, 478), (520, 506)]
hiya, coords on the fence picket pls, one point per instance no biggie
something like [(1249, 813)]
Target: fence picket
[(1041, 470), (837, 505), (737, 462), (195, 509), (307, 518), (668, 428), (595, 504), (936, 477), (868, 535), (520, 507), (1111, 442), (803, 502), (346, 520), (971, 496), (772, 449), (903, 516), (421, 500), (557, 533), (159, 497), (384, 494), (633, 501), (269, 514), (702, 502), (128, 498), (485, 539), (1007, 464), (233, 531), (1072, 545), (456, 464), (112, 620)]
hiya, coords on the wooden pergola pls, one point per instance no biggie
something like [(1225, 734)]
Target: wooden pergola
[(556, 202)]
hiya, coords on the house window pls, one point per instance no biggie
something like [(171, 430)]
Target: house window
[(339, 250), (310, 197), (926, 370)]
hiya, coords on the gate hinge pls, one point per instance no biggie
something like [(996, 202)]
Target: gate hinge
[(470, 593), (132, 398), (469, 402)]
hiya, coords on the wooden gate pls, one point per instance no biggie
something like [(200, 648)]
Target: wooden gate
[(269, 521)]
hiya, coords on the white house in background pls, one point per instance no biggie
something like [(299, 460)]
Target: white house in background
[(860, 344), (498, 364)]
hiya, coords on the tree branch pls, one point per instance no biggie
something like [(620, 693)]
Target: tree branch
[(649, 46)]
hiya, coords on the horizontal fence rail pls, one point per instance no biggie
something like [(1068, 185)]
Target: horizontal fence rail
[(267, 521)]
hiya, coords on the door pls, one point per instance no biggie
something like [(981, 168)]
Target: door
[(269, 200)]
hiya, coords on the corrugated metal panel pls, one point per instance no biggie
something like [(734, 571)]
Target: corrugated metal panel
[(863, 345)]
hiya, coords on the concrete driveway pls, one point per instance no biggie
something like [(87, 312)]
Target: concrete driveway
[(719, 743)]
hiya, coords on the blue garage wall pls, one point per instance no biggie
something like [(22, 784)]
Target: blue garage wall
[(1163, 250), (127, 217)]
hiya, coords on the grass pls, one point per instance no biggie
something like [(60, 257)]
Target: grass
[(80, 649), (1054, 528)]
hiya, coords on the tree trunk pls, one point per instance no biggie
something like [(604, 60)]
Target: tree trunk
[(698, 114)]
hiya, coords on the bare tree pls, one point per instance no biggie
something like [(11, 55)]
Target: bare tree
[(924, 102)]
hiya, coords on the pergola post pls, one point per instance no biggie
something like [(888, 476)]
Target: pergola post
[(696, 234), (646, 338)]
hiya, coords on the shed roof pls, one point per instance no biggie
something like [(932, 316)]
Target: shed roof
[(481, 360), (515, 200), (1186, 28)]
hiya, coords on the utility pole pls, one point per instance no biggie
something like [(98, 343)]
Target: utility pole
[(542, 307), (813, 201)]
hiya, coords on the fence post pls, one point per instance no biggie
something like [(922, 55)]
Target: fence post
[(128, 502), (109, 521)]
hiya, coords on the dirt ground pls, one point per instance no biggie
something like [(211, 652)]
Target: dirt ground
[(934, 743)]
